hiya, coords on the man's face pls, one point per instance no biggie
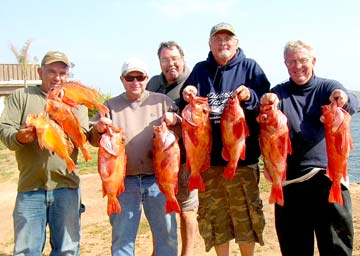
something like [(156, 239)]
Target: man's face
[(53, 74), (172, 64), (300, 65), (134, 83), (223, 46)]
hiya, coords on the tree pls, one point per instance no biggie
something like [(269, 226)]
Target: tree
[(22, 58)]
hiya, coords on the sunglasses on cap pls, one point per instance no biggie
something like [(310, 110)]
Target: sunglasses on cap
[(140, 78)]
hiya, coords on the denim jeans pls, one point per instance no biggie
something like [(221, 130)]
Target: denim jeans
[(143, 191), (60, 209)]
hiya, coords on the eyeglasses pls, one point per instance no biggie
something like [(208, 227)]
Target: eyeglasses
[(132, 78), (174, 59), (293, 63), (219, 40)]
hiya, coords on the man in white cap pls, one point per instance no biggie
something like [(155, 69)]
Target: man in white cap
[(48, 194), (136, 111)]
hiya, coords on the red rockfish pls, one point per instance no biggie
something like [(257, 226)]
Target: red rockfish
[(112, 166), (196, 131), (338, 146), (63, 115), (275, 146), (52, 137), (234, 131), (167, 163), (74, 93)]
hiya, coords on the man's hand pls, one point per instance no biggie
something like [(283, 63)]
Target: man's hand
[(190, 89), (102, 124), (170, 118), (269, 99), (339, 96), (26, 134), (242, 92)]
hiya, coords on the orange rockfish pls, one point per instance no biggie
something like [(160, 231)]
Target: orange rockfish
[(52, 137), (62, 114), (196, 131), (112, 166), (338, 146), (275, 146), (167, 163), (234, 131), (74, 93)]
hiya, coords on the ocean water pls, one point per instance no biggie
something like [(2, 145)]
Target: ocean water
[(354, 159)]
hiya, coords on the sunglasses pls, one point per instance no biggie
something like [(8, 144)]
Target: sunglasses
[(132, 78)]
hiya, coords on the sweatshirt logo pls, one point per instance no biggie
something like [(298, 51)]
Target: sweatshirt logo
[(217, 102)]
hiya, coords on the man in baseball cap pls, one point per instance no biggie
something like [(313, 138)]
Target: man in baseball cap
[(55, 56), (134, 64), (223, 26)]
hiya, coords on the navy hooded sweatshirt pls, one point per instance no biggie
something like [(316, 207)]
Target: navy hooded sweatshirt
[(217, 83), (302, 106)]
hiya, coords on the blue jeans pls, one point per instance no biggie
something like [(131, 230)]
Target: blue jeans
[(142, 190), (60, 209)]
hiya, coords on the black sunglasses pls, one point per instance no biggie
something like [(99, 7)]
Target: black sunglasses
[(132, 78)]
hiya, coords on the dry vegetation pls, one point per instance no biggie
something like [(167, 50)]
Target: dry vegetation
[(96, 230)]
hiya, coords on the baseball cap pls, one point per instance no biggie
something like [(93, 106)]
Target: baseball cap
[(133, 64), (55, 56), (223, 26)]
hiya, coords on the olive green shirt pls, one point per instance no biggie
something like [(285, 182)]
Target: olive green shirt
[(38, 168)]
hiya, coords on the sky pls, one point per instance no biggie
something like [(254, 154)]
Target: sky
[(98, 36)]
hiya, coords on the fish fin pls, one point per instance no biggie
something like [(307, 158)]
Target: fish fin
[(113, 206), (240, 128), (85, 153), (103, 110), (69, 146), (229, 172), (196, 182), (267, 175), (335, 195), (69, 102), (243, 152), (172, 206), (276, 195), (70, 165), (225, 154)]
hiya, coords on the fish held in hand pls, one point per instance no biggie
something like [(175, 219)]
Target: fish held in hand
[(167, 163), (63, 115), (338, 147), (275, 146), (197, 137), (74, 93), (112, 166), (52, 137), (234, 131)]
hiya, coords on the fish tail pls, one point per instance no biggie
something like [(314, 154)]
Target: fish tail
[(229, 172), (196, 182), (85, 153), (276, 195), (70, 165), (113, 206), (335, 195), (172, 206)]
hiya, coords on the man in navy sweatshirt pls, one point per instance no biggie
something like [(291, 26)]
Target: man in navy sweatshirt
[(229, 209), (306, 209)]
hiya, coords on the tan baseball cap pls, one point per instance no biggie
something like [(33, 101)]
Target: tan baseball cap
[(55, 56), (223, 26)]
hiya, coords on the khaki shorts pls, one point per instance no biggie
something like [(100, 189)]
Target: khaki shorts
[(188, 200), (231, 209)]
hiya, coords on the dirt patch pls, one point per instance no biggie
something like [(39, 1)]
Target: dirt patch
[(96, 230)]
